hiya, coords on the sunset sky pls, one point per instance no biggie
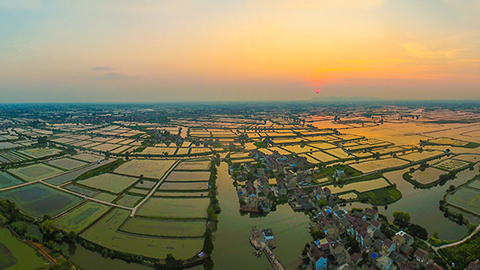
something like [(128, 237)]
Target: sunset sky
[(182, 50)]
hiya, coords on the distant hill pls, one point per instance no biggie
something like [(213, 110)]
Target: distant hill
[(345, 99)]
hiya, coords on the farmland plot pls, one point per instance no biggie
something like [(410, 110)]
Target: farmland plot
[(361, 186), (105, 234), (174, 208), (427, 176), (417, 156), (188, 176), (67, 163), (194, 165), (149, 168), (87, 157), (184, 186), (40, 152), (451, 164), (6, 180), (38, 200), (109, 182), (81, 217), (35, 172), (466, 198), (165, 228), (380, 164), (129, 200), (323, 157)]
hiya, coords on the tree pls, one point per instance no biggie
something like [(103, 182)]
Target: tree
[(401, 218), (417, 231), (321, 203)]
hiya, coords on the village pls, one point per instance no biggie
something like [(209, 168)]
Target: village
[(356, 239)]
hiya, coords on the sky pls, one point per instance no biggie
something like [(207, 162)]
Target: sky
[(185, 50)]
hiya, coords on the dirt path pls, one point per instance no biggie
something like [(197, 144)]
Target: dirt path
[(134, 210), (460, 241)]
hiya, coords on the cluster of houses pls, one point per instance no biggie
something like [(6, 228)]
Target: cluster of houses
[(278, 174), (375, 250)]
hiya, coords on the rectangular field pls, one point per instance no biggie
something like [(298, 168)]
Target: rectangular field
[(417, 156), (106, 197), (67, 163), (81, 190), (149, 168), (129, 200), (159, 150), (451, 164), (81, 217), (184, 186), (466, 198), (298, 149), (188, 176), (337, 152), (194, 166), (40, 152), (361, 186), (6, 180), (105, 234), (146, 184), (38, 200), (321, 156), (165, 228), (170, 194), (174, 208), (87, 157), (380, 164), (109, 182), (35, 172)]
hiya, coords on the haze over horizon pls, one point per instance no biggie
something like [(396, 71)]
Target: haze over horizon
[(168, 51)]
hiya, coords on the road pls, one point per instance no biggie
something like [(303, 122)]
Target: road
[(134, 210)]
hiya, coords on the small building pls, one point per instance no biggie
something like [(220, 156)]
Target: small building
[(267, 235), (318, 260), (384, 263), (421, 256)]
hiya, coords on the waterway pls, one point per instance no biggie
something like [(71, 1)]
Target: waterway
[(422, 204)]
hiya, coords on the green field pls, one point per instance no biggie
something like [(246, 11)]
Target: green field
[(105, 234), (109, 182), (382, 196), (81, 217), (184, 186), (467, 198), (475, 184), (106, 197), (38, 200), (35, 172), (180, 194), (149, 168), (146, 184), (138, 191), (129, 200), (87, 157), (81, 190), (40, 152), (6, 180), (174, 208), (165, 228), (67, 163), (188, 176), (15, 255)]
